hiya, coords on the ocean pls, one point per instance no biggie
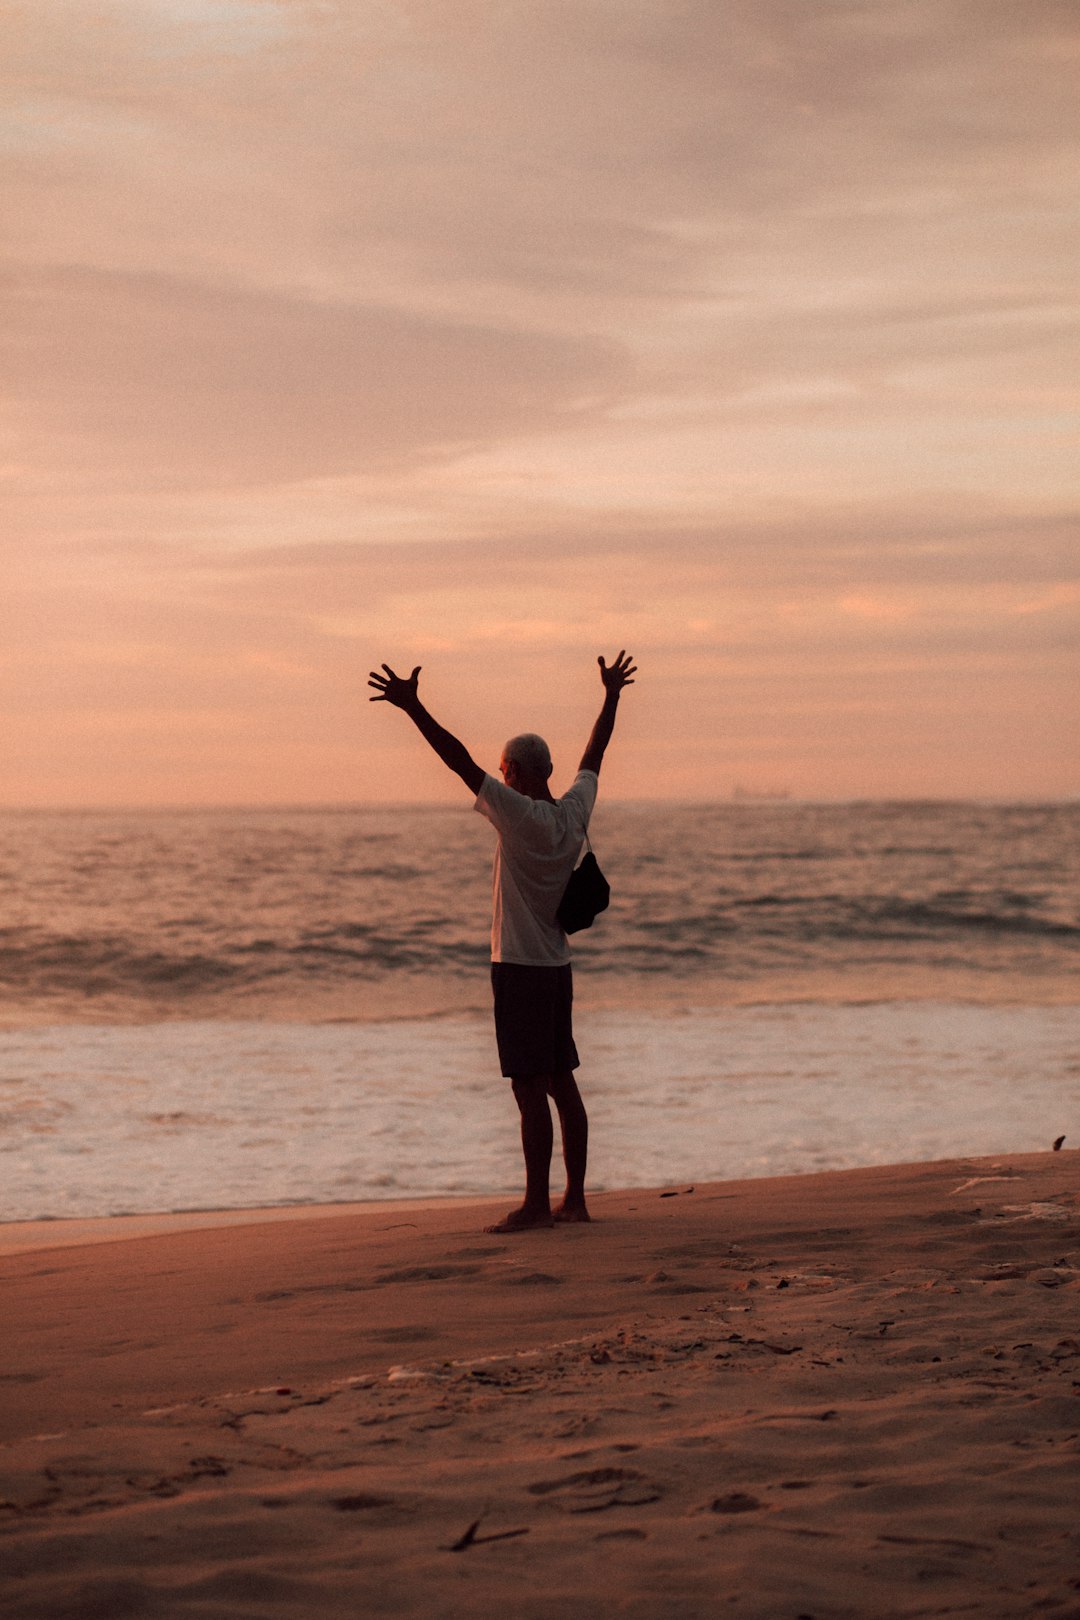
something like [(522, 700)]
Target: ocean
[(231, 1009)]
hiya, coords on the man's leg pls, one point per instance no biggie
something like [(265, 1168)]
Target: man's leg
[(575, 1142), (536, 1143)]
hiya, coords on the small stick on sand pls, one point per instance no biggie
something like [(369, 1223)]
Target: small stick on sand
[(471, 1539)]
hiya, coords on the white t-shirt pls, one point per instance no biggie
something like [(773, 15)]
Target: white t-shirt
[(538, 847)]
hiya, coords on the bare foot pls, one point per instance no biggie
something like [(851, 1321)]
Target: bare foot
[(522, 1220), (567, 1213)]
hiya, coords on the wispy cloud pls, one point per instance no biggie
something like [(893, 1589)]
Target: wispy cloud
[(195, 382)]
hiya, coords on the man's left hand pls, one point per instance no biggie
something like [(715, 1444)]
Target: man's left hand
[(391, 688)]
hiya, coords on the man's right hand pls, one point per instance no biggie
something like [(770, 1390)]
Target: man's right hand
[(614, 677), (391, 688), (619, 674)]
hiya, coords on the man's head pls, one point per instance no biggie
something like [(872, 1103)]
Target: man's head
[(526, 764)]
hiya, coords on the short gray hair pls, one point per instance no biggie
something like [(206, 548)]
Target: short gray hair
[(530, 752)]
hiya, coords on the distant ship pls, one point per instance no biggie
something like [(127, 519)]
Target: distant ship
[(742, 794)]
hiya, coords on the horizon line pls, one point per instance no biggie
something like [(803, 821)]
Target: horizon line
[(748, 801)]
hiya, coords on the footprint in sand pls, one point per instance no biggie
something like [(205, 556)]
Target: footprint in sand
[(421, 1274), (596, 1489), (735, 1502), (418, 1334), (209, 1467), (361, 1503)]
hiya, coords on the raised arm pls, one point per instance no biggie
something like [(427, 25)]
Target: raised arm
[(391, 688), (619, 675)]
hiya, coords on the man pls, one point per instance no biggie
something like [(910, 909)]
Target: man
[(540, 838)]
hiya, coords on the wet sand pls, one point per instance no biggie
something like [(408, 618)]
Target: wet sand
[(848, 1395)]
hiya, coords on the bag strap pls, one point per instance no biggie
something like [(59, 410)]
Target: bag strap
[(588, 818)]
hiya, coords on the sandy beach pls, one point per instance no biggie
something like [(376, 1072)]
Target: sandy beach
[(845, 1395)]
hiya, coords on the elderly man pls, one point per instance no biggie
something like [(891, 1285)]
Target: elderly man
[(539, 840)]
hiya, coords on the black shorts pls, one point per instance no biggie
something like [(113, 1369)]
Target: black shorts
[(534, 1019)]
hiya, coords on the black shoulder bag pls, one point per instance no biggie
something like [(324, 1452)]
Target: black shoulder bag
[(586, 895)]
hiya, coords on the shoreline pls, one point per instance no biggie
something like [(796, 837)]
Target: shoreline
[(77, 1231), (846, 1393), (189, 1117)]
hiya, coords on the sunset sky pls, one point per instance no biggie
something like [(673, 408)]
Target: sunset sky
[(493, 336)]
